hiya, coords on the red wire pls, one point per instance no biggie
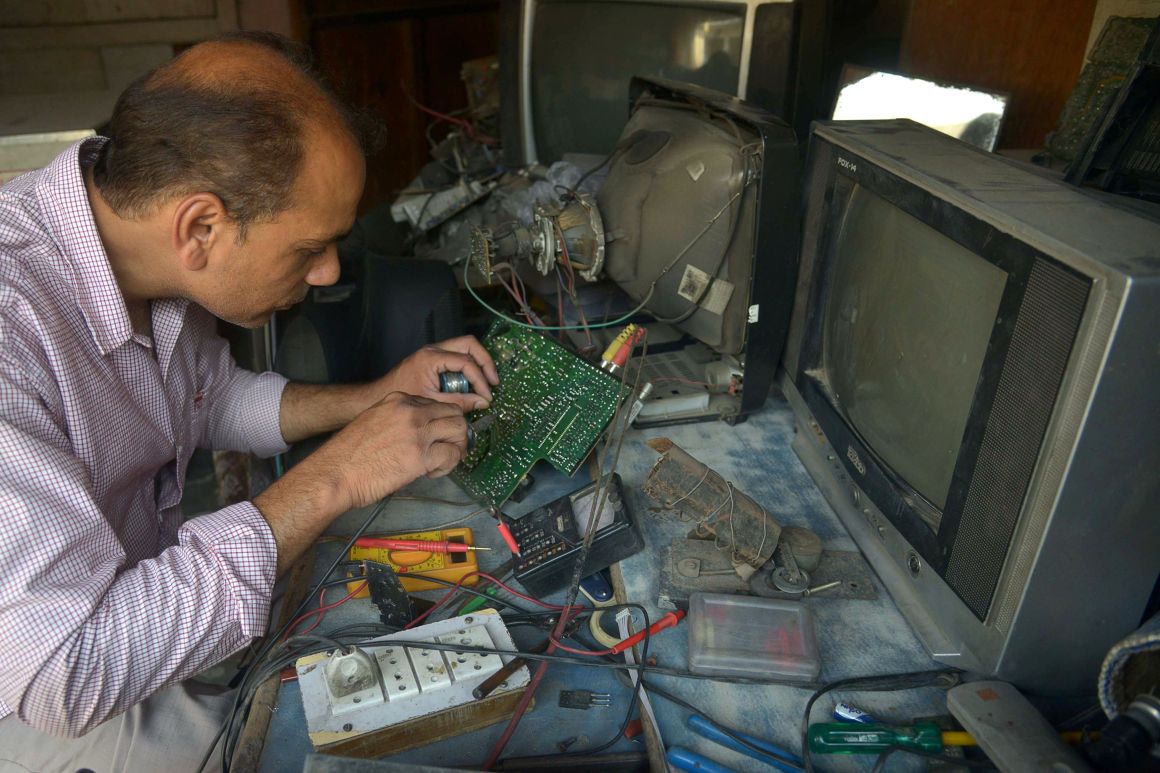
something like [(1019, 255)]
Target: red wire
[(525, 699), (471, 132), (451, 591), (438, 603), (575, 607), (514, 290), (567, 260), (322, 609)]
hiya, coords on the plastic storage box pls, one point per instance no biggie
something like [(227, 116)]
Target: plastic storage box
[(747, 636)]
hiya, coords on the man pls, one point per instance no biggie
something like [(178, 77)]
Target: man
[(230, 176)]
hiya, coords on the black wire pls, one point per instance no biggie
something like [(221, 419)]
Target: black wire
[(360, 632), (574, 191), (356, 634), (695, 304), (418, 231), (375, 629), (880, 763), (603, 483), (341, 581), (338, 559), (272, 642), (888, 682), (333, 642), (639, 667)]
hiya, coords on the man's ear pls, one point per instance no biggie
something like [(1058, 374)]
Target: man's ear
[(199, 222)]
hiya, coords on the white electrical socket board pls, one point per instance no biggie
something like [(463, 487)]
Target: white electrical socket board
[(409, 682)]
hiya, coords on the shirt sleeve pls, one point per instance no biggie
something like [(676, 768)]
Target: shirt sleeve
[(82, 638), (243, 406)]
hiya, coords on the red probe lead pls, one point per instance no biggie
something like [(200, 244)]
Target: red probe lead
[(427, 546)]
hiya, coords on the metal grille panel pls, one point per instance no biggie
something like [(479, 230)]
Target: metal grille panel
[(1040, 347)]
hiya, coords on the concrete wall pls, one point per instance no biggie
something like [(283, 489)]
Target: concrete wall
[(64, 62)]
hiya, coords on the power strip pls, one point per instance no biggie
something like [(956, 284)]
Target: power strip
[(380, 683)]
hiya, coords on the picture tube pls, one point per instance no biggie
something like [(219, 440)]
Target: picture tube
[(584, 54), (906, 328)]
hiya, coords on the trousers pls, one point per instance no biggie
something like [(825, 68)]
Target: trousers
[(169, 731)]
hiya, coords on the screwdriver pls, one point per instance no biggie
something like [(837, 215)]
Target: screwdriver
[(857, 738), (425, 545), (854, 738)]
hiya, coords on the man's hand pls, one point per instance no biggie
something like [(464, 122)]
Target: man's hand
[(310, 409), (390, 444), (419, 373), (395, 441)]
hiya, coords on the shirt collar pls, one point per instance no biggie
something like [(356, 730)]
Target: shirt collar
[(65, 206)]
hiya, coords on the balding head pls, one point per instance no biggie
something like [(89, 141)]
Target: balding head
[(232, 117)]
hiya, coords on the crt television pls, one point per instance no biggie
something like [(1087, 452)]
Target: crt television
[(973, 360), (700, 220), (564, 64)]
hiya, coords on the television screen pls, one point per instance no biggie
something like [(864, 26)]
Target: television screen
[(972, 368), (905, 332), (584, 52)]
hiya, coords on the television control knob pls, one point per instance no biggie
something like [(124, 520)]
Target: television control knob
[(913, 563)]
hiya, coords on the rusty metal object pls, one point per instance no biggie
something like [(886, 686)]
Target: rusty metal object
[(787, 576), (740, 527), (695, 566), (805, 545)]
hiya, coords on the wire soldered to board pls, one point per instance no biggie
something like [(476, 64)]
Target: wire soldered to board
[(550, 404)]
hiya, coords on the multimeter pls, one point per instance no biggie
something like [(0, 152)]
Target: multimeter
[(413, 565), (549, 537)]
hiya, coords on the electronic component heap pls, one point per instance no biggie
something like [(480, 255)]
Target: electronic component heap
[(550, 404)]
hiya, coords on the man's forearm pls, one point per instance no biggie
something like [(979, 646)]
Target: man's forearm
[(385, 447), (307, 410), (299, 506)]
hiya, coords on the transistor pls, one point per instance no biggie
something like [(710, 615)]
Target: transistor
[(584, 699)]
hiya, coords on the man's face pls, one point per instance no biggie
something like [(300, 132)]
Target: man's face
[(280, 260)]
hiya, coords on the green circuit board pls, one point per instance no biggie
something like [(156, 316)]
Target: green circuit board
[(550, 405)]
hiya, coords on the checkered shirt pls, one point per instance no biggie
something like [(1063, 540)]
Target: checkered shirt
[(106, 595)]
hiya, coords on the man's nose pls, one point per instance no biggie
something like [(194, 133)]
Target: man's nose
[(326, 270)]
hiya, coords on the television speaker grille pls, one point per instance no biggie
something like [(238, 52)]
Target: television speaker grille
[(1041, 345)]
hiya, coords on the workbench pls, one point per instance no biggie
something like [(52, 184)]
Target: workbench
[(856, 637)]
